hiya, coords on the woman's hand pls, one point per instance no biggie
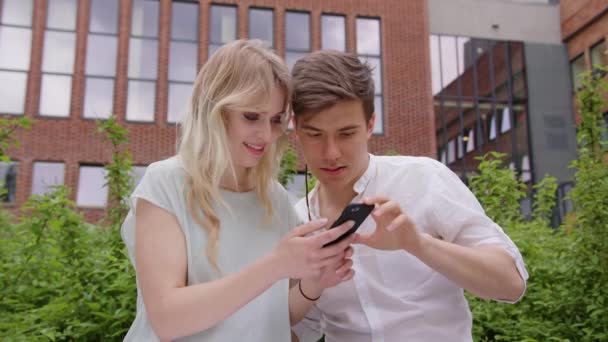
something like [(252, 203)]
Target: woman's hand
[(302, 255)]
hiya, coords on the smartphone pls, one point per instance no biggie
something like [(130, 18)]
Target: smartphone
[(356, 212)]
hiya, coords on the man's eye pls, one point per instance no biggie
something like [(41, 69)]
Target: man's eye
[(251, 116), (314, 135), (347, 134)]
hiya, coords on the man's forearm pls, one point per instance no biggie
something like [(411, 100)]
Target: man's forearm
[(488, 272)]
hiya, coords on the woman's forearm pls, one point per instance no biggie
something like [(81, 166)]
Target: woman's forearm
[(188, 310)]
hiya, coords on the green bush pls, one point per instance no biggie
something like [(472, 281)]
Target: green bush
[(64, 279), (60, 278), (567, 294)]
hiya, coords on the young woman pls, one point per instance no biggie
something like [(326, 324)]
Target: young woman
[(211, 233)]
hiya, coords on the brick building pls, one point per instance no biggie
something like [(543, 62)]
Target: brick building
[(74, 61), (584, 28), (445, 88)]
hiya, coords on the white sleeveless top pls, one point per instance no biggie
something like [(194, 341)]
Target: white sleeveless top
[(246, 234)]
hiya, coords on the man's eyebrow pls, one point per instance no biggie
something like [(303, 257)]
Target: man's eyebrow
[(348, 128), (312, 128)]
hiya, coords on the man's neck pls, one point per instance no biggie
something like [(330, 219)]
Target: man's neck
[(336, 197)]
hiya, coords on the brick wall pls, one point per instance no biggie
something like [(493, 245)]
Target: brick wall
[(583, 23), (408, 115)]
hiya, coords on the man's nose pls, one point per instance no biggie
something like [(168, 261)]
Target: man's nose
[(332, 150)]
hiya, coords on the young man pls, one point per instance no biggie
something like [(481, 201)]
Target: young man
[(427, 239)]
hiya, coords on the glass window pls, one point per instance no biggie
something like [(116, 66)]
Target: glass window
[(297, 36), (222, 27), (297, 31), (492, 128), (261, 25), (378, 124), (143, 58), (13, 83), (144, 20), (292, 57), (45, 175), (140, 101), (91, 189), (104, 16), (101, 55), (58, 58), (368, 36), (179, 95), (182, 61), (15, 49), (599, 54), (333, 32), (101, 59), (8, 182), (137, 173), (451, 151), (376, 66), (98, 97), (17, 12), (368, 49), (183, 57), (460, 147), (184, 20), (61, 15), (55, 95), (526, 175), (577, 67), (505, 125), (470, 141), (18, 41), (442, 156), (58, 52)]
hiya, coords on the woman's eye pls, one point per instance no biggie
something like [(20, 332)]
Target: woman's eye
[(251, 116), (277, 119)]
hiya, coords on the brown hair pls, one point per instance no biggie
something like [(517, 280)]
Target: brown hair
[(324, 78)]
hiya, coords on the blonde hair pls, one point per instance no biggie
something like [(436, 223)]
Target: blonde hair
[(240, 76)]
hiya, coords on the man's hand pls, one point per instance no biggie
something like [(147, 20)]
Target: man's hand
[(394, 229)]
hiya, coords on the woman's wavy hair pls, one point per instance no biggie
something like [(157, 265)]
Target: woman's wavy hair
[(240, 76)]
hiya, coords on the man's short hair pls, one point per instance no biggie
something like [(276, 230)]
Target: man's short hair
[(324, 78)]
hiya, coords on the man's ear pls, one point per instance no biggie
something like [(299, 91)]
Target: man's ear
[(370, 125)]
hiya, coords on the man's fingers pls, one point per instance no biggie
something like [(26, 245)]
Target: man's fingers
[(365, 239), (309, 227), (400, 221), (387, 207), (376, 200)]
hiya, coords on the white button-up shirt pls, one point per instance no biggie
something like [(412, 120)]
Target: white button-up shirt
[(393, 295)]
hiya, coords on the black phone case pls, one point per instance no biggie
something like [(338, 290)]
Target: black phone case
[(357, 212)]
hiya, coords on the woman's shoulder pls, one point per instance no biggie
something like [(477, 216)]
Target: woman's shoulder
[(166, 169)]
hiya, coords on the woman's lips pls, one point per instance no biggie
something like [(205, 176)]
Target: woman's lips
[(256, 150)]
